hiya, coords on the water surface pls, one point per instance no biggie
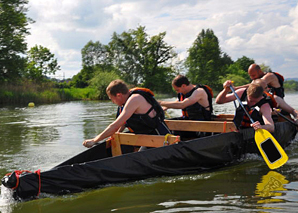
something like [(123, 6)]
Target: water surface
[(44, 136)]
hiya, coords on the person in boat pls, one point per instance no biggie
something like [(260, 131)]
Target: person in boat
[(276, 101), (194, 100), (274, 80), (140, 112), (255, 103)]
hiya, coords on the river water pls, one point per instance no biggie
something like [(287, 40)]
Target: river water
[(46, 135)]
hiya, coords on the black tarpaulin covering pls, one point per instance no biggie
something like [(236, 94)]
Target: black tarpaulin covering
[(94, 167)]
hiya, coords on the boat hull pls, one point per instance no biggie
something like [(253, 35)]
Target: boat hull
[(95, 167)]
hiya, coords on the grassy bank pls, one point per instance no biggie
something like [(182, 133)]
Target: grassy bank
[(46, 93), (49, 92)]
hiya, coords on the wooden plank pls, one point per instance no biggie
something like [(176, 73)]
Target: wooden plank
[(115, 145), (146, 140), (224, 117), (140, 140), (201, 126)]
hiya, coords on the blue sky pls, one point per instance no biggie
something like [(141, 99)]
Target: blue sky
[(265, 30)]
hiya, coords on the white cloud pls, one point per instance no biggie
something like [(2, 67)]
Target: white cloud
[(235, 43), (264, 30)]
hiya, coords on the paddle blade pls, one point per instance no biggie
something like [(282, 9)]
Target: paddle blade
[(272, 152)]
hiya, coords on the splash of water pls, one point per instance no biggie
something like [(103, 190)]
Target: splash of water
[(6, 200)]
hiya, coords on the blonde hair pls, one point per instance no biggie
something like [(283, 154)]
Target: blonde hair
[(117, 86), (255, 90)]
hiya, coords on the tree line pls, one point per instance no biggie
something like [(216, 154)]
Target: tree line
[(133, 55), (150, 62)]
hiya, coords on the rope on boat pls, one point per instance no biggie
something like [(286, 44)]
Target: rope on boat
[(19, 172)]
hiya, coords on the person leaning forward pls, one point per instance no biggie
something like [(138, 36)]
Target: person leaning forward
[(140, 112), (194, 100), (274, 80), (255, 103)]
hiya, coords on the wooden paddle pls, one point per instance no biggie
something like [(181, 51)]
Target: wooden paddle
[(270, 149)]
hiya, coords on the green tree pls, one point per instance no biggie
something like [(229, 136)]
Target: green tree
[(134, 56), (265, 68), (238, 71), (244, 62), (95, 54), (13, 29), (140, 58), (81, 80), (100, 81), (40, 62), (205, 62), (291, 85)]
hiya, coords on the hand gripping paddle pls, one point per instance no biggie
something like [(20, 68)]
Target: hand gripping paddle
[(270, 149)]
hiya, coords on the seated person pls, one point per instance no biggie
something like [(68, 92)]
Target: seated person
[(140, 112), (277, 102), (194, 100), (255, 103)]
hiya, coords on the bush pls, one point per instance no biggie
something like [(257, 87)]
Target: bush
[(100, 81)]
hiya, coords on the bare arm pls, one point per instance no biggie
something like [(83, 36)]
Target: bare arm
[(196, 96), (266, 115), (169, 104), (121, 129), (130, 107), (224, 96)]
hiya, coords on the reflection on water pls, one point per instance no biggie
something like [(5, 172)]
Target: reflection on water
[(44, 136), (272, 185)]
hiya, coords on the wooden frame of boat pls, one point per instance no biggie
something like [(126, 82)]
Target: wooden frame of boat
[(201, 126), (224, 117), (131, 139)]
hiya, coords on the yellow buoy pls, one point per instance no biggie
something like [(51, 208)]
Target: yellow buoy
[(31, 104)]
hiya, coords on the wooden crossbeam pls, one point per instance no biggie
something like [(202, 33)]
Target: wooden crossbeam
[(201, 126), (223, 117), (140, 140)]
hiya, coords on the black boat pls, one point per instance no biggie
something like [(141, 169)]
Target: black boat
[(96, 166)]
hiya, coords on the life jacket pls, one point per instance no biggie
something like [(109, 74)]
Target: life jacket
[(143, 123), (241, 120), (280, 90), (272, 101), (197, 111)]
